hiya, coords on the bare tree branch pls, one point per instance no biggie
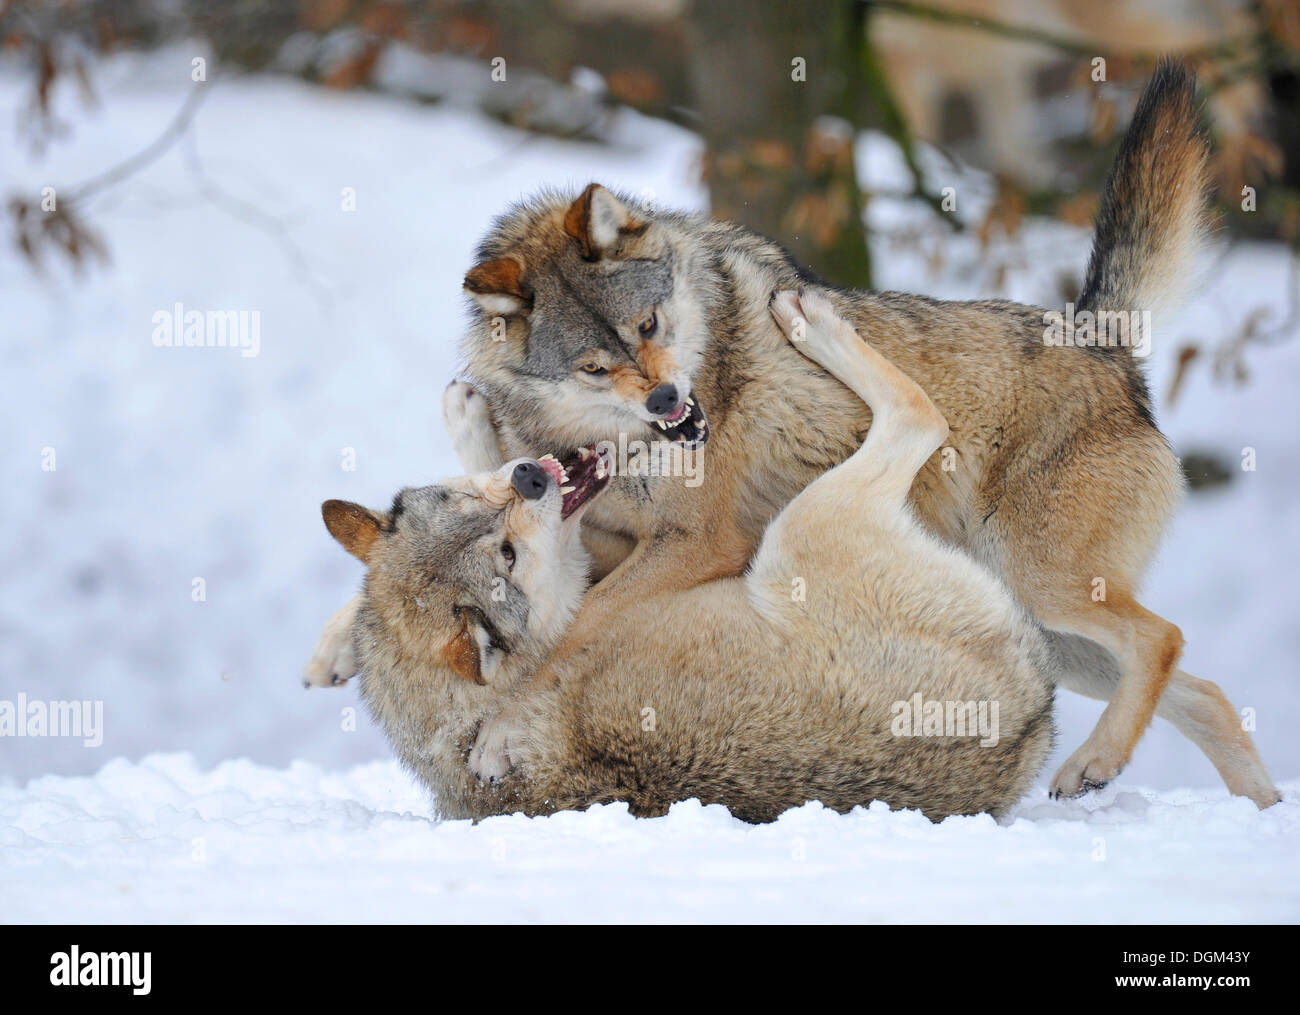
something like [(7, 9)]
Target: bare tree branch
[(154, 150), (247, 212)]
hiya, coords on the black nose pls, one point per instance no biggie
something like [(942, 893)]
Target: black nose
[(530, 480), (662, 400)]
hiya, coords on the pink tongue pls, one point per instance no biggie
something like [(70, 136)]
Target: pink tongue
[(676, 414), (553, 470)]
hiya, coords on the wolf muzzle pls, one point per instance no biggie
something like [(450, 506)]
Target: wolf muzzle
[(529, 480)]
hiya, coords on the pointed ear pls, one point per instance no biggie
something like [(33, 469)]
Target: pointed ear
[(599, 221), (498, 286), (355, 527), (462, 655)]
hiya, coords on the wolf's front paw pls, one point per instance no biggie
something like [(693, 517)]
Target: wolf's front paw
[(1089, 768), (468, 420), (489, 759), (334, 660)]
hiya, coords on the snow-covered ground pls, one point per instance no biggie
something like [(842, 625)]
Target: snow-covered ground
[(181, 464), (163, 841)]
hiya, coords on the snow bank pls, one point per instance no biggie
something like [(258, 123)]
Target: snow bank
[(163, 840)]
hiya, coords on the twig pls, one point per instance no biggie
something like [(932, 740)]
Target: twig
[(246, 212), (149, 153)]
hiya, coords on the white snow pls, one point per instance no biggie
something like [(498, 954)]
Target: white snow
[(176, 464), (163, 841)]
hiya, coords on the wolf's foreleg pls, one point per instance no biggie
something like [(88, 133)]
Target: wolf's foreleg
[(334, 660)]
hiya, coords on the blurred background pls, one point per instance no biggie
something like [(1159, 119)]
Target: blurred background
[(331, 164)]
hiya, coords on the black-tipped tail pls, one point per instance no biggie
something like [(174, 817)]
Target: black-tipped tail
[(1152, 219)]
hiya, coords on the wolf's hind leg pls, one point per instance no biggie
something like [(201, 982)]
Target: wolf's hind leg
[(468, 420), (906, 427), (1197, 708), (860, 504), (1201, 712)]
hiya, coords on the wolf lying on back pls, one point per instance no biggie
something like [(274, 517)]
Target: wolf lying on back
[(597, 319), (759, 699)]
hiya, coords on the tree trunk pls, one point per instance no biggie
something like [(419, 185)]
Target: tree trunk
[(776, 86)]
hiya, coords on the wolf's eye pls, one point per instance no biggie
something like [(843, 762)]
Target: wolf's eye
[(595, 369), (649, 326), (508, 552)]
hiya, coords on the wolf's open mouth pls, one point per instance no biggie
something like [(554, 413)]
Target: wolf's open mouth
[(580, 477), (686, 424)]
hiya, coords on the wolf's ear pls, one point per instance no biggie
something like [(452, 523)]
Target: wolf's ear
[(498, 286), (462, 655), (355, 527), (598, 221)]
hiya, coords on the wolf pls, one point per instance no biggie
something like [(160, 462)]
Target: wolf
[(740, 692), (594, 318)]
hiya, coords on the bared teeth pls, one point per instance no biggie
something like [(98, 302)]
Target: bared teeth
[(585, 453), (567, 489), (690, 401)]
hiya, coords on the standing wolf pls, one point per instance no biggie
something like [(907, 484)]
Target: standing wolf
[(598, 319)]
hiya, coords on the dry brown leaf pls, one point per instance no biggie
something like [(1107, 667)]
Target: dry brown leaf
[(354, 71), (1104, 116), (322, 15), (385, 19), (466, 33), (1079, 210), (770, 154), (814, 215), (1006, 211), (635, 86), (1186, 354)]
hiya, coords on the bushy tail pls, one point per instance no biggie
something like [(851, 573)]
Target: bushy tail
[(1152, 220)]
